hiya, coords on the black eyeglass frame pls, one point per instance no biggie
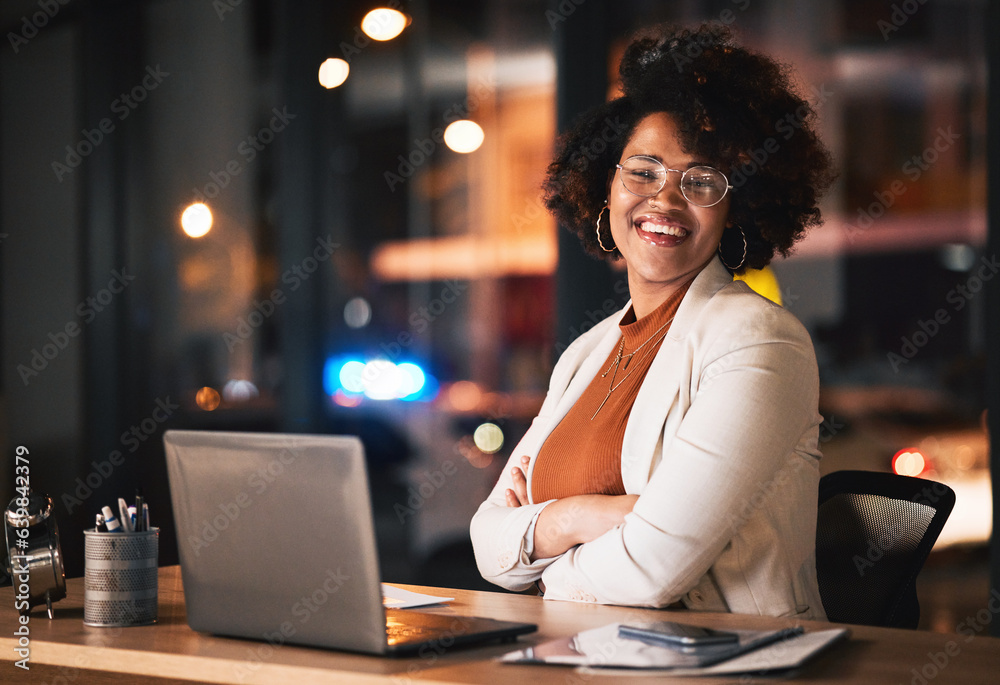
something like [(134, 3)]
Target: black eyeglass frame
[(683, 174)]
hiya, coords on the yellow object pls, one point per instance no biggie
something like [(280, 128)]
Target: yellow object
[(763, 282)]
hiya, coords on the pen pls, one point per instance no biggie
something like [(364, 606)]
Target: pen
[(99, 525), (145, 516), (111, 521), (138, 509), (126, 520)]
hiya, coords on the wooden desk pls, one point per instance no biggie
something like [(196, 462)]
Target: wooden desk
[(66, 651)]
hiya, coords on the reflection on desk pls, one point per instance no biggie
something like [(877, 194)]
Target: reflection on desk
[(172, 652)]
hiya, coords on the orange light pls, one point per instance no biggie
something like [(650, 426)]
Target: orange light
[(464, 136), (464, 395), (207, 398), (196, 220), (333, 72), (909, 462), (384, 24)]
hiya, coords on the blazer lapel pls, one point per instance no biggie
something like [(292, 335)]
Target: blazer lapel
[(667, 382), (587, 364)]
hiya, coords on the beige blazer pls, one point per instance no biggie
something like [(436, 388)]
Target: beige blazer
[(722, 447)]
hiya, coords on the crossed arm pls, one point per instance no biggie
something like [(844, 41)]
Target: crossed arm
[(569, 521)]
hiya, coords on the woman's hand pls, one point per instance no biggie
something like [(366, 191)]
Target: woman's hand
[(519, 494), (574, 520)]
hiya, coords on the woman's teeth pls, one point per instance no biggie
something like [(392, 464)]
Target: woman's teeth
[(653, 227)]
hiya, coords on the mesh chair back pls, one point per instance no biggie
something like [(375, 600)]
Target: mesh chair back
[(873, 535)]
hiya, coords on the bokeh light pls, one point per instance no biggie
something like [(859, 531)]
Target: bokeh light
[(384, 24), (378, 379), (464, 136), (207, 398), (414, 380), (351, 377), (333, 72), (466, 446), (357, 312), (239, 391), (464, 395), (196, 220), (346, 400), (488, 437), (909, 462)]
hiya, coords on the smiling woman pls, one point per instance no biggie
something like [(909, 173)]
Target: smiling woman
[(675, 458)]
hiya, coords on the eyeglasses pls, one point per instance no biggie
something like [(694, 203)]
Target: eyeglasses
[(702, 186)]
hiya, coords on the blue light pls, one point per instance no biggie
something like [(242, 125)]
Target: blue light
[(331, 375), (351, 377), (415, 380), (378, 379)]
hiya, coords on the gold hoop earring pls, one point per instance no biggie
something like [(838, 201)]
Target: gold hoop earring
[(743, 260), (599, 228)]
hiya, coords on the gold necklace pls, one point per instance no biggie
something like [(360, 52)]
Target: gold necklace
[(621, 347), (618, 360)]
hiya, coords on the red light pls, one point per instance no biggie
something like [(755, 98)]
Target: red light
[(345, 400), (909, 462)]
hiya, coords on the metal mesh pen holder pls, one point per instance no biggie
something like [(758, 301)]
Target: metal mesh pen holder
[(120, 578)]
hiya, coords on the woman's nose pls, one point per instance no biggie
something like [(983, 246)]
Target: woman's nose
[(670, 194)]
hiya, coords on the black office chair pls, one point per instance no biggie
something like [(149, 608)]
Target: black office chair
[(873, 535)]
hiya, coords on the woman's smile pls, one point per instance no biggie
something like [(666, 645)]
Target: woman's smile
[(661, 230)]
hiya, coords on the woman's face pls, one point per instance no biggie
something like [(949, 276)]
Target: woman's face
[(664, 239)]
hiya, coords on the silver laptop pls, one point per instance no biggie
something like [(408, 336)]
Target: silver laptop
[(277, 543)]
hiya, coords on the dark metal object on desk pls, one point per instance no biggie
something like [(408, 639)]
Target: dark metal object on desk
[(38, 553)]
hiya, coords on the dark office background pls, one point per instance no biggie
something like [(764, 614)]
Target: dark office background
[(91, 377)]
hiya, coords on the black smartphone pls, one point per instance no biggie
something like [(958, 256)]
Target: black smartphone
[(677, 634)]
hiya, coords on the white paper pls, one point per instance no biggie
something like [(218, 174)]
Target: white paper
[(601, 650), (398, 598)]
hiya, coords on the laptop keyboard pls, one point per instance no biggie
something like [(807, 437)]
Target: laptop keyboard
[(398, 632)]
